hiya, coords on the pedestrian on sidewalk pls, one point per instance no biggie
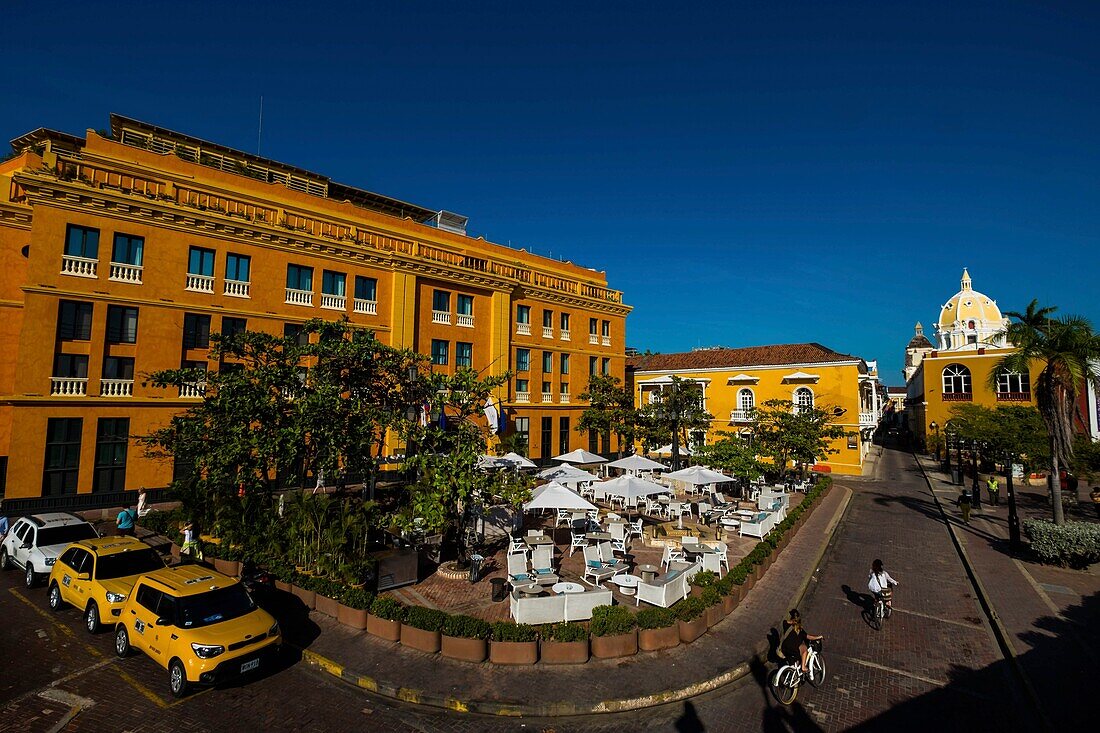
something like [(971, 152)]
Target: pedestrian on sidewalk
[(994, 490), (125, 522), (191, 550), (963, 503)]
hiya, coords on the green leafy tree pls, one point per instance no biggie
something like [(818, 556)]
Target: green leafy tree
[(799, 436), (610, 409), (1067, 351), (733, 456), (1086, 459), (675, 413), (1017, 429)]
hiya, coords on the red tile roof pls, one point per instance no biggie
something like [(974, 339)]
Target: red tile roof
[(811, 353)]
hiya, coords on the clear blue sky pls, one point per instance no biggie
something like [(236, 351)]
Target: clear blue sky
[(751, 173)]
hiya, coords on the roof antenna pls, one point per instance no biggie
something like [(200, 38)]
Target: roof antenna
[(260, 131)]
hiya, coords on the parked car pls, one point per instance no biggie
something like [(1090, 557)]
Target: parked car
[(96, 576), (34, 542), (201, 626)]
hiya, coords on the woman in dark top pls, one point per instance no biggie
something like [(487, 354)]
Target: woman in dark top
[(792, 645)]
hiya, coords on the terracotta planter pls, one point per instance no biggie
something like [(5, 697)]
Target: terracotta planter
[(356, 618), (283, 586), (757, 572), (750, 581), (307, 597), (328, 606), (564, 652), (730, 602), (692, 630), (232, 568), (695, 591), (466, 650), (514, 652), (620, 645), (650, 640), (419, 639), (384, 628), (714, 615)]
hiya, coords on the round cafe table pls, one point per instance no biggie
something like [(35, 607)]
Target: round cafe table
[(628, 584), (567, 588), (649, 572), (531, 589)]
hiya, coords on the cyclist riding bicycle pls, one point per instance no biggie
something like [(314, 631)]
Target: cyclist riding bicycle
[(793, 643), (880, 582)]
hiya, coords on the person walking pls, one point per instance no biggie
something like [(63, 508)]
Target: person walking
[(142, 505), (994, 490), (963, 503), (124, 523), (191, 547)]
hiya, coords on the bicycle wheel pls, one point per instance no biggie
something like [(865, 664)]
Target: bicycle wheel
[(872, 618), (816, 671), (785, 685)]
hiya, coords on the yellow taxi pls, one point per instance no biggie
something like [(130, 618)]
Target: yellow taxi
[(96, 576), (199, 625)]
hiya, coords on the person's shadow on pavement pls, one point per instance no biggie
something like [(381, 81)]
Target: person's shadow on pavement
[(863, 600), (690, 722)]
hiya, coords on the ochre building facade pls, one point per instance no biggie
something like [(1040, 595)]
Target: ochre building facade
[(121, 253)]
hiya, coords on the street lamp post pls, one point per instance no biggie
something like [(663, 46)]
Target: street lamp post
[(951, 436), (1013, 517), (975, 487), (936, 432)]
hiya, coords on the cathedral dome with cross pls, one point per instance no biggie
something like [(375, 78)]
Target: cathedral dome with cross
[(970, 320)]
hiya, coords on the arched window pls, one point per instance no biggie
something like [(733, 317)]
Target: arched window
[(803, 399), (745, 400), (956, 379)]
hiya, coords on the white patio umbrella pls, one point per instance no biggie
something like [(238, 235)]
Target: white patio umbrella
[(699, 476), (580, 457), (666, 450), (631, 487), (565, 471), (637, 463), (517, 460), (555, 496), (487, 463)]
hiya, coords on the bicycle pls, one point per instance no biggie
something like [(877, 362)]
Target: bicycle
[(788, 678), (879, 611)]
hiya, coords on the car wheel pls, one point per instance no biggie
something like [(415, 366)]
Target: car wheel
[(32, 577), (5, 561), (54, 598), (91, 618), (122, 641), (177, 678)]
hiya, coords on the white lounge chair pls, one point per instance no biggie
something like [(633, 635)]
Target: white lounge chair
[(595, 568), (759, 525), (669, 589)]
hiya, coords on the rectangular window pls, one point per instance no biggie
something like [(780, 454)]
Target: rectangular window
[(122, 324), (465, 305), (196, 331), (547, 362), (74, 321), (548, 319), (593, 442), (523, 435), (546, 388), (523, 385), (200, 261), (72, 366), (1013, 383), (238, 267), (112, 436), (563, 435), (564, 364), (118, 367), (464, 354), (62, 465), (128, 249), (299, 277), (523, 360), (605, 366), (605, 442), (564, 389), (439, 352), (233, 326), (333, 283), (593, 365), (523, 314), (593, 326), (565, 321), (441, 301), (605, 328), (547, 437), (296, 333), (366, 288), (82, 242)]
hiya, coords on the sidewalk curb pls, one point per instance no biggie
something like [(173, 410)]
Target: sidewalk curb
[(567, 708), (1000, 633)]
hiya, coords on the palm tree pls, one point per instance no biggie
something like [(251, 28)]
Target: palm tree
[(1069, 352)]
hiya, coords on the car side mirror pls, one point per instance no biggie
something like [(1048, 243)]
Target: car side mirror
[(162, 621), (84, 576), (27, 545)]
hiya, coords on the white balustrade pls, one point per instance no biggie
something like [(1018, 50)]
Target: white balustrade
[(739, 416), (548, 332), (867, 419), (334, 302), (237, 289), (465, 319), (124, 273), (116, 388), (79, 266), (443, 317), (194, 390), (200, 283), (565, 335), (563, 398), (299, 297), (594, 338), (370, 307), (605, 340), (523, 329), (523, 397), (547, 397), (68, 386)]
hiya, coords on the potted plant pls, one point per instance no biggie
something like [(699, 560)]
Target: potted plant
[(731, 593), (564, 643), (613, 632), (657, 629), (352, 610), (692, 619), (702, 579), (712, 599), (465, 638), (421, 628), (326, 596), (303, 591), (514, 644), (384, 620)]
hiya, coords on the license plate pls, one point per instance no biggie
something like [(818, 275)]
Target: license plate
[(249, 666)]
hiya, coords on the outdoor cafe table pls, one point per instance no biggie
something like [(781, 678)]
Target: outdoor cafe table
[(619, 520), (530, 589), (698, 549), (744, 513), (649, 572), (628, 584), (538, 541), (567, 588), (599, 536)]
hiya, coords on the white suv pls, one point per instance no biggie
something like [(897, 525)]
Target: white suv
[(33, 543)]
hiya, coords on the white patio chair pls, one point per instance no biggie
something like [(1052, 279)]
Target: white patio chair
[(598, 494), (594, 515), (613, 500), (542, 565), (607, 556), (723, 554), (595, 569), (613, 515), (712, 563), (577, 539), (518, 574), (564, 517), (635, 528), (702, 508), (618, 536), (516, 545), (670, 555)]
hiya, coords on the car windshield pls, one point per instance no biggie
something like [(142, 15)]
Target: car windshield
[(64, 535), (122, 564), (215, 606)]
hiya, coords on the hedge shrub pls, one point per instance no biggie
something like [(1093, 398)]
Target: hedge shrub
[(467, 627), (1074, 544), (704, 578), (652, 617), (387, 608), (426, 619), (357, 598), (611, 621), (511, 631), (711, 596), (564, 632), (689, 609)]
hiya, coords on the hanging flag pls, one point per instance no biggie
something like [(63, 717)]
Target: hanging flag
[(502, 428), (424, 410), (491, 416), (442, 418)]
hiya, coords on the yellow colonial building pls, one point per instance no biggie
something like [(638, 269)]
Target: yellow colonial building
[(956, 369), (734, 381), (122, 251)]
